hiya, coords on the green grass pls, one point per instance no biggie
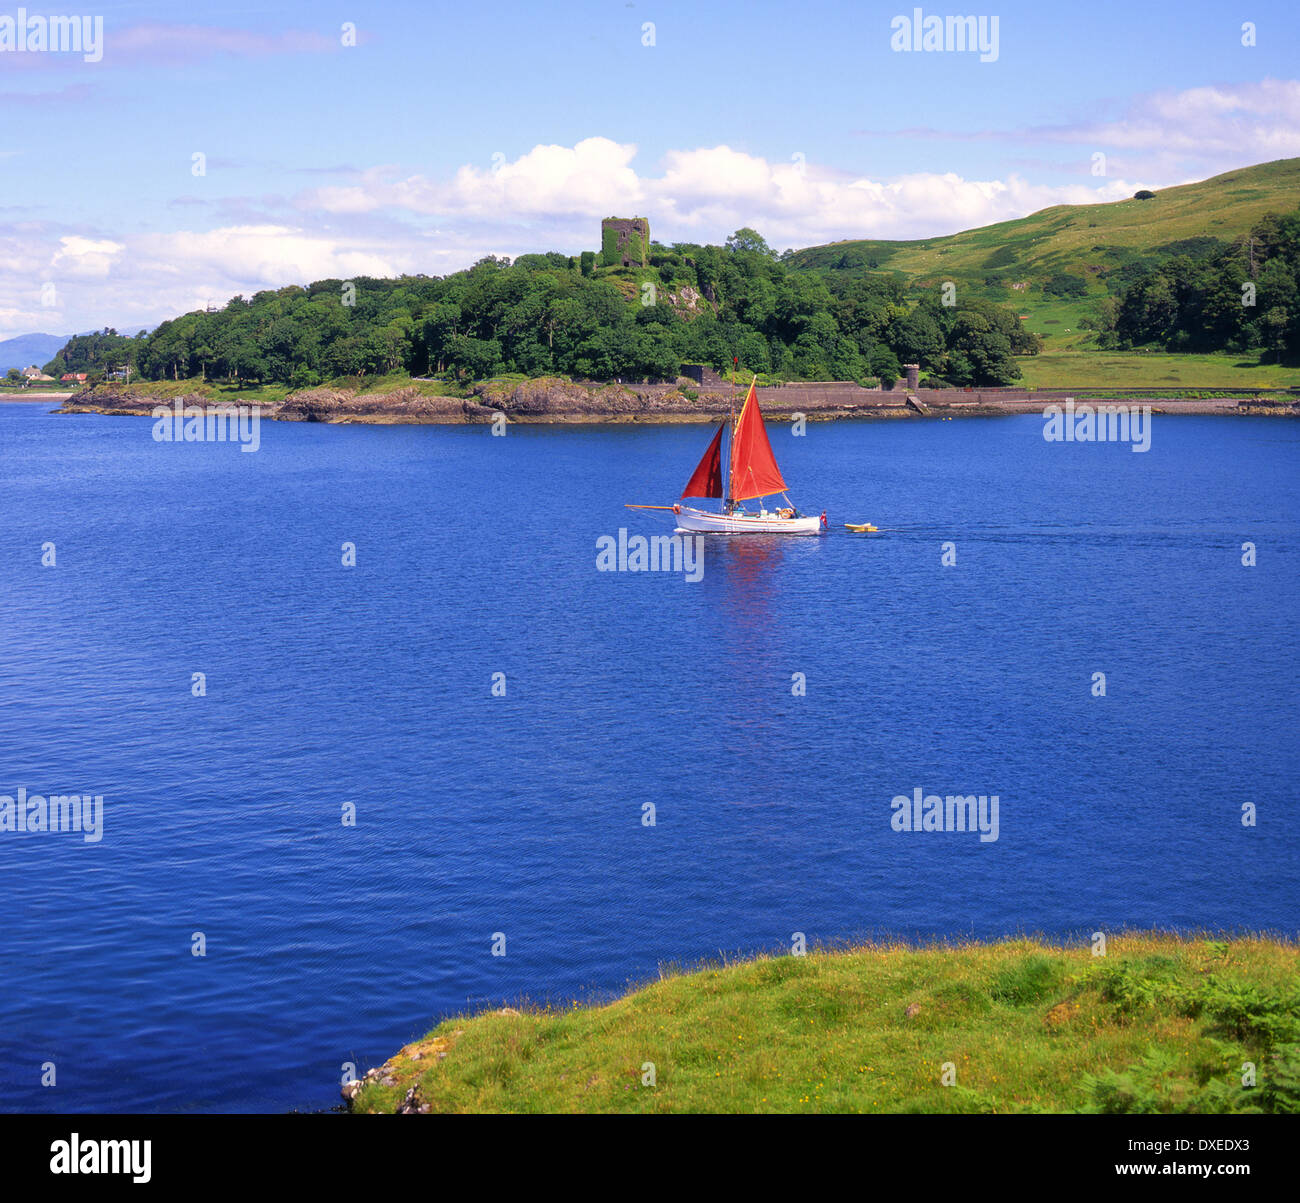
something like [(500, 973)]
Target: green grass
[(1129, 370), (166, 390), (1056, 321), (1063, 237), (1159, 1024), (1082, 240), (367, 385)]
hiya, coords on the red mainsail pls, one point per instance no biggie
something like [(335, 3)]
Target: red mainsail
[(753, 466), (706, 480)]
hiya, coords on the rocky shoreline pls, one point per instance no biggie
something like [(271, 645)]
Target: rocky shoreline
[(554, 400)]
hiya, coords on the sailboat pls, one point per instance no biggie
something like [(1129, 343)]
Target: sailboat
[(751, 475)]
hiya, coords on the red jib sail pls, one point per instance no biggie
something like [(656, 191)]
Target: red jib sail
[(706, 480), (753, 466)]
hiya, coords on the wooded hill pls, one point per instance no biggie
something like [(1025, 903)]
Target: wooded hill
[(1209, 266)]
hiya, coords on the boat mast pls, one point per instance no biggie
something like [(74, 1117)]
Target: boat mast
[(731, 435)]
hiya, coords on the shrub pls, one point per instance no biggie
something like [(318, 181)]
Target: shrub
[(1027, 981), (1063, 284), (1137, 985), (1242, 1010), (1157, 1085)]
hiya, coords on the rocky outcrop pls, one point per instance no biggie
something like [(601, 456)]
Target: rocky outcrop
[(401, 1072), (402, 405), (546, 399), (117, 399), (554, 399)]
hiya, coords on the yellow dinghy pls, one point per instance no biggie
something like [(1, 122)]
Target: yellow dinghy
[(859, 526)]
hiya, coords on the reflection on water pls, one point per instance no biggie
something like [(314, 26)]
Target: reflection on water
[(747, 581)]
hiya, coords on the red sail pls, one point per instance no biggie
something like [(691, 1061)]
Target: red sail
[(753, 466), (706, 481)]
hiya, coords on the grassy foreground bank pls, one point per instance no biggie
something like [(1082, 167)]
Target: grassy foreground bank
[(1158, 1024)]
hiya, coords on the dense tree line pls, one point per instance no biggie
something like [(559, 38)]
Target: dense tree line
[(1212, 296), (101, 352), (550, 313)]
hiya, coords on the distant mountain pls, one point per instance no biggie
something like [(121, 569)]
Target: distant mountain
[(28, 349)]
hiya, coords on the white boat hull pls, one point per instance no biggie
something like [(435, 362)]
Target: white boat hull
[(690, 521)]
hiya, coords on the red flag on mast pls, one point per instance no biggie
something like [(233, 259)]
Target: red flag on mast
[(753, 466), (706, 480)]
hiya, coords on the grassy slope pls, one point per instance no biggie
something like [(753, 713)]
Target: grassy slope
[(1084, 240), (1064, 237), (1135, 370), (1022, 1022)]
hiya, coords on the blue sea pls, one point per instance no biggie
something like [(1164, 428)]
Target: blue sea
[(769, 712)]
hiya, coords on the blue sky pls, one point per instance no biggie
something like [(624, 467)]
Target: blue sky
[(452, 131)]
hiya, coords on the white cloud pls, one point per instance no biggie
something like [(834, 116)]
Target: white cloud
[(264, 256), (79, 256), (1249, 122), (27, 321), (137, 280), (593, 177), (1170, 136), (700, 194)]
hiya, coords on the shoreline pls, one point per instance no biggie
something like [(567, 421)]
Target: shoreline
[(18, 397), (556, 401)]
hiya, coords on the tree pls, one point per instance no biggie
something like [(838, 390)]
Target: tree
[(916, 337), (746, 239), (1273, 328), (984, 350), (442, 322), (478, 357), (884, 364)]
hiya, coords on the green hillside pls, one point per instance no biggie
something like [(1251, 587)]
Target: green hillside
[(1012, 260), (1080, 237)]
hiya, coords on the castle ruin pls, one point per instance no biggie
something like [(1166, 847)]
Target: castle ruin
[(624, 242)]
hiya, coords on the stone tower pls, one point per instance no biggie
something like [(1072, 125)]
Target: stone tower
[(624, 242)]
